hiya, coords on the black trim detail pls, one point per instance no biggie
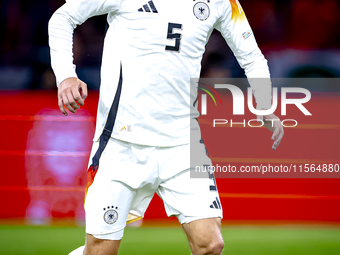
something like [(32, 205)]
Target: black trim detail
[(114, 108), (213, 188), (105, 136), (219, 204), (140, 10), (102, 144), (211, 177), (206, 150)]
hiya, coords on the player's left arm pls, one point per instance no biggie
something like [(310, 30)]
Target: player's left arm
[(239, 36)]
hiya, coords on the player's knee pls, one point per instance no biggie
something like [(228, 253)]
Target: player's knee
[(215, 247)]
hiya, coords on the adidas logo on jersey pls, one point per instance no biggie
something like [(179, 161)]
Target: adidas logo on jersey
[(148, 8)]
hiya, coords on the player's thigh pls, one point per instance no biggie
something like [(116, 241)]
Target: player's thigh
[(108, 200), (204, 235), (107, 206), (185, 196), (122, 183), (95, 246)]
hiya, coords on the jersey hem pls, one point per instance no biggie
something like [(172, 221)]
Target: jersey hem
[(165, 144)]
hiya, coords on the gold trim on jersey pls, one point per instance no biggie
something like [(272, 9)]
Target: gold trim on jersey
[(237, 11), (132, 218)]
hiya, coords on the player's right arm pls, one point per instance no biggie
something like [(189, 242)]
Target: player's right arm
[(71, 90)]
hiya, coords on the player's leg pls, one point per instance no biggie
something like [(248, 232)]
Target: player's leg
[(204, 236), (96, 246), (107, 206), (107, 200), (194, 201), (118, 194), (198, 211)]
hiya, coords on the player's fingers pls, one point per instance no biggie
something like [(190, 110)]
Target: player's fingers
[(77, 97), (72, 102), (276, 130), (278, 138), (276, 144), (67, 103), (83, 90), (61, 106)]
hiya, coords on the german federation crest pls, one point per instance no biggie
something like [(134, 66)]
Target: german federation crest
[(201, 11), (110, 216)]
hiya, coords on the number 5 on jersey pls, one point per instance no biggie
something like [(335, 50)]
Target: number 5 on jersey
[(172, 35)]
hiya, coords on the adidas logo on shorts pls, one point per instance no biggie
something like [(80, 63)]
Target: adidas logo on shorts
[(216, 204), (148, 8)]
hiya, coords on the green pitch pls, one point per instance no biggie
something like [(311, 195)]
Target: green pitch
[(239, 240)]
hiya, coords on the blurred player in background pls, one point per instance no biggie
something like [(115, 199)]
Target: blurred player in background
[(146, 111)]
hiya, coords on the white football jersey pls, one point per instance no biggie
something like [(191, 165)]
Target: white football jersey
[(156, 47)]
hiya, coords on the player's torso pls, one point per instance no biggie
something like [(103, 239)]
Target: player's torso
[(160, 46)]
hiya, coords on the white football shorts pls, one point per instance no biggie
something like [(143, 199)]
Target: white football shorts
[(128, 176)]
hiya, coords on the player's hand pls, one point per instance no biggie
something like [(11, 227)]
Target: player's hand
[(273, 123), (71, 93)]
